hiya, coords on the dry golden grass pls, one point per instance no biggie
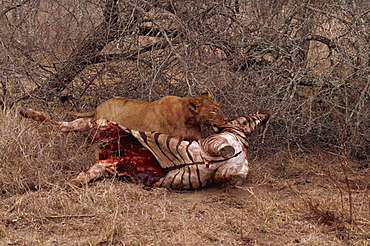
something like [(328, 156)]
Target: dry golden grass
[(289, 200)]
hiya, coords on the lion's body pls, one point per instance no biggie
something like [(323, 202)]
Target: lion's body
[(176, 116)]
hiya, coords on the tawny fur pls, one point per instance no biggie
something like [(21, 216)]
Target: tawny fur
[(176, 116)]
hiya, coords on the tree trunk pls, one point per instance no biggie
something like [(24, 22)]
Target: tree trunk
[(87, 51)]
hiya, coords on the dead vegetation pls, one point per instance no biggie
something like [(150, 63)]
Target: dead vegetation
[(307, 62), (288, 200)]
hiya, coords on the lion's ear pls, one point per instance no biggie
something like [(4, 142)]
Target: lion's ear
[(194, 105), (205, 93)]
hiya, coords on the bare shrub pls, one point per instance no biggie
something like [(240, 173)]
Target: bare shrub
[(306, 62)]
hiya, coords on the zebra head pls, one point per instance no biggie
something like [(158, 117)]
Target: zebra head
[(240, 126), (246, 123), (232, 145)]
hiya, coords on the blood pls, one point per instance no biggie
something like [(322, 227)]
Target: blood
[(123, 154)]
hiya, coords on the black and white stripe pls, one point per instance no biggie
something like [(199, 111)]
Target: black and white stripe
[(194, 164)]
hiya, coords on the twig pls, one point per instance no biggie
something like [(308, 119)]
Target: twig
[(68, 216), (11, 7)]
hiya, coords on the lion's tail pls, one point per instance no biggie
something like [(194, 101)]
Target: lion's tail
[(37, 116), (85, 114)]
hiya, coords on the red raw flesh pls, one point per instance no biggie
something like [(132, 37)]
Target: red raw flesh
[(123, 154)]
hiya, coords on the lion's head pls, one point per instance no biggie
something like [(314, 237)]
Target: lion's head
[(206, 111)]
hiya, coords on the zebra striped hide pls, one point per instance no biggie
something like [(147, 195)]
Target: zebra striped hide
[(178, 164), (158, 160)]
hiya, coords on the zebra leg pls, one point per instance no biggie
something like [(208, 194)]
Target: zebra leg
[(95, 172), (217, 145), (235, 174), (81, 124), (237, 179), (37, 116)]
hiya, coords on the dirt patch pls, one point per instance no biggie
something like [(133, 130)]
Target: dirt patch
[(113, 212)]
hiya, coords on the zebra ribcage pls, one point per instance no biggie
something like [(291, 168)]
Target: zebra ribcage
[(170, 152), (186, 164)]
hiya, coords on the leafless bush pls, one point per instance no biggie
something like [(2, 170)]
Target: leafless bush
[(307, 62)]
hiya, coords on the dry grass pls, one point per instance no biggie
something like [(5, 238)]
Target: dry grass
[(289, 200)]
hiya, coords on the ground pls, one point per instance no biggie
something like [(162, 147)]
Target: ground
[(289, 199)]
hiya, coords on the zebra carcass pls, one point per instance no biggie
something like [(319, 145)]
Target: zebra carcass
[(158, 160)]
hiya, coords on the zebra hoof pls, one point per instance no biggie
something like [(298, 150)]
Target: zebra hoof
[(227, 151), (237, 180), (75, 182)]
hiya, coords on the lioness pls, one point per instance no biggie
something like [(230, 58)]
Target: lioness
[(176, 116)]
